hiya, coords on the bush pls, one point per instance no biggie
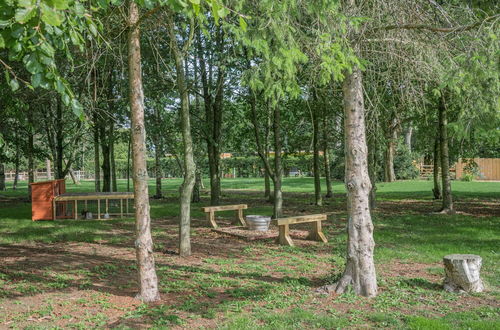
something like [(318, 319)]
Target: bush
[(404, 165)]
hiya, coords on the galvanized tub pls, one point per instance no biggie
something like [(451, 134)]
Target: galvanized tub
[(258, 222)]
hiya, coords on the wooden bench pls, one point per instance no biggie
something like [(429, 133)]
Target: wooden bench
[(210, 211), (315, 234)]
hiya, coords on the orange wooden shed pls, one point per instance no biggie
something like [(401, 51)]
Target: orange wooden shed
[(42, 195)]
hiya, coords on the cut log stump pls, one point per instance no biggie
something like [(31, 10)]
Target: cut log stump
[(462, 273)]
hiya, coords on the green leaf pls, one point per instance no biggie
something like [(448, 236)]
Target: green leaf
[(243, 24), (58, 4), (26, 3), (14, 85), (50, 15), (77, 108), (23, 15), (36, 79), (2, 41), (32, 64), (4, 23)]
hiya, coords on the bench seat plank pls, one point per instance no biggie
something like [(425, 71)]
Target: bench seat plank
[(224, 207), (300, 219)]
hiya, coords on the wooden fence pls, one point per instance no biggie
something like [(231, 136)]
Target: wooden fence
[(489, 168), (42, 176)]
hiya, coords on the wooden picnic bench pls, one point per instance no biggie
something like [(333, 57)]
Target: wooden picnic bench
[(210, 211), (315, 234)]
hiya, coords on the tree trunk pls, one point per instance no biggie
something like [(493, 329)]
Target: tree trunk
[(2, 177), (437, 159), (267, 184), (445, 167), (59, 142), (372, 161), (463, 273), (157, 168), (196, 198), (189, 165), (97, 161), (148, 282), (390, 176), (278, 168), (49, 169), (106, 159), (408, 135), (16, 162), (326, 159), (31, 161), (128, 161), (360, 268), (72, 175), (114, 185), (316, 166)]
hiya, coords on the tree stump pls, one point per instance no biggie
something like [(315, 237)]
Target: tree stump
[(462, 273)]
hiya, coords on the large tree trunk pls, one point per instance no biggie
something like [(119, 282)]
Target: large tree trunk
[(188, 164), (360, 268), (2, 177), (408, 135), (97, 161), (437, 159), (390, 175), (278, 168), (318, 200), (445, 167), (148, 282)]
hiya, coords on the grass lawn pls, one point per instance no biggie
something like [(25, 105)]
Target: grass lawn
[(82, 273)]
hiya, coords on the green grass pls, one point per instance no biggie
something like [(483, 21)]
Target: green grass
[(260, 285)]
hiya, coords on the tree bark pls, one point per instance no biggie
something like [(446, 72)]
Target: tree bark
[(114, 184), (128, 160), (408, 135), (106, 159), (49, 169), (2, 177), (445, 167), (326, 158), (392, 136), (16, 162), (148, 281), (31, 161), (189, 165), (437, 159), (60, 174), (318, 200), (278, 168), (97, 161), (360, 268), (196, 198), (158, 171), (372, 161)]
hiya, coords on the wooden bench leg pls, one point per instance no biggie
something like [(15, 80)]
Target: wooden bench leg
[(211, 218), (239, 217), (284, 236), (316, 234)]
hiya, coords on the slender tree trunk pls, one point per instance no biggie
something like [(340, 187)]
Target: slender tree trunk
[(445, 167), (16, 162), (49, 169), (158, 174), (267, 182), (128, 161), (189, 165), (114, 185), (372, 161), (390, 176), (360, 268), (31, 161), (278, 168), (326, 158), (197, 187), (408, 135), (148, 282), (106, 160), (318, 200), (2, 177), (437, 159), (97, 161), (59, 161), (72, 175)]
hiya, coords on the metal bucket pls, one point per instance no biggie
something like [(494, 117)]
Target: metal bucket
[(258, 222)]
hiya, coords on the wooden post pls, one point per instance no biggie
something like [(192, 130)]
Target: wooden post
[(284, 235), (316, 234), (121, 208), (75, 210), (211, 218), (98, 209), (53, 209), (126, 202), (239, 216), (107, 205)]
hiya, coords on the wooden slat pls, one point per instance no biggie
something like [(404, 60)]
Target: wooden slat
[(300, 219), (224, 207), (93, 197)]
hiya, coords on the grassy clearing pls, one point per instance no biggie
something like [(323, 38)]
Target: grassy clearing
[(81, 274)]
